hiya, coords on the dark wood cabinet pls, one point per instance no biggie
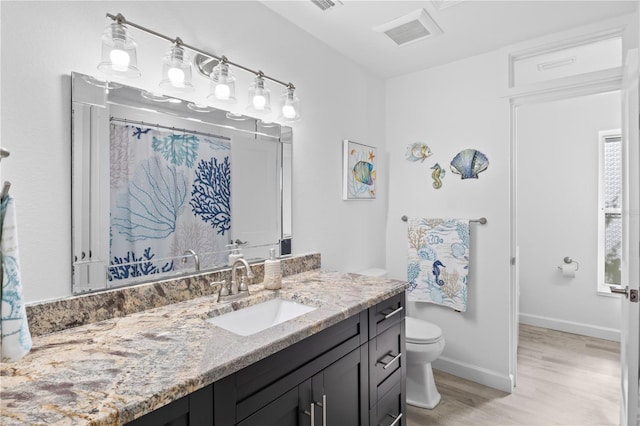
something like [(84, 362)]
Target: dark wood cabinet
[(195, 409), (352, 373), (285, 410), (341, 390), (335, 396), (387, 363)]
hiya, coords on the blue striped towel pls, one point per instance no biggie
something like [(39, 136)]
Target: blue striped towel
[(438, 263), (15, 338)]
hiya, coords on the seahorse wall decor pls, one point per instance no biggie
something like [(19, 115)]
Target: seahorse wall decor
[(437, 175)]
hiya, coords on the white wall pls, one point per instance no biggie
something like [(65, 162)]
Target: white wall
[(453, 107), (43, 42), (557, 213)]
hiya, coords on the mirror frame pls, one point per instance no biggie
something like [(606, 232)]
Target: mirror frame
[(91, 100)]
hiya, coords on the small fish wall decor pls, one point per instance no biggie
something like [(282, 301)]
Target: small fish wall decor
[(359, 171), (437, 175), (469, 163), (418, 152)]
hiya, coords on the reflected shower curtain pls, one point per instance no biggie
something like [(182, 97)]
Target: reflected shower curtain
[(170, 192)]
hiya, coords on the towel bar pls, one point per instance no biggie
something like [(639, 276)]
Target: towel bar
[(481, 221)]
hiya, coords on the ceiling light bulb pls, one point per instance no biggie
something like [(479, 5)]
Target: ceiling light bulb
[(120, 59), (222, 92), (288, 111), (176, 76), (259, 102)]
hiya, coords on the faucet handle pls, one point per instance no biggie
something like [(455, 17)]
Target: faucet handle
[(224, 288), (243, 284)]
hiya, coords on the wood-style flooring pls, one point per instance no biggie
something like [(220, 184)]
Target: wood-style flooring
[(563, 379)]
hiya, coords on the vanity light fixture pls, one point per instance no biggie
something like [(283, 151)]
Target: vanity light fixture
[(176, 69), (223, 83), (290, 104), (259, 95), (119, 58), (118, 52)]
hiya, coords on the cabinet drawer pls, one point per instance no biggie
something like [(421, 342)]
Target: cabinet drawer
[(386, 313), (390, 409), (386, 361)]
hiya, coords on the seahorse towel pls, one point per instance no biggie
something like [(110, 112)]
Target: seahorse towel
[(438, 263), (15, 340)]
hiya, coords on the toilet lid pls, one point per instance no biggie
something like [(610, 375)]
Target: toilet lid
[(420, 331)]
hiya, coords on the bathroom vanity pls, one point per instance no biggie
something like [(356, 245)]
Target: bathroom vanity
[(349, 374), (341, 363)]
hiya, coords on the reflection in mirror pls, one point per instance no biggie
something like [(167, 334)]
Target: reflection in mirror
[(163, 188)]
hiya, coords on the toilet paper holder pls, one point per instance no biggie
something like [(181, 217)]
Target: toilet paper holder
[(567, 260)]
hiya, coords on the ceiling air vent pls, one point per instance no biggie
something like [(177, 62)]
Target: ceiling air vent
[(327, 4), (410, 28)]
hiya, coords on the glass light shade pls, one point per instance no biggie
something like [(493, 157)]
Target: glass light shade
[(223, 84), (259, 97), (118, 52), (289, 106), (176, 70)]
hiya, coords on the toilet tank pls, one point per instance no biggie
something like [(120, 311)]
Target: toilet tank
[(374, 272)]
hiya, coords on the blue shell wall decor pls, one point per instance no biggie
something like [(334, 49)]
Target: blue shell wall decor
[(468, 163)]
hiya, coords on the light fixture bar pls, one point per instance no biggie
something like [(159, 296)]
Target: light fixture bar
[(119, 18)]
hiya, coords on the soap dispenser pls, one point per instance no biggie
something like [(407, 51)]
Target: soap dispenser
[(272, 272), (235, 253)]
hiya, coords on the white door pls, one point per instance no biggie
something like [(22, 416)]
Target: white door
[(630, 327)]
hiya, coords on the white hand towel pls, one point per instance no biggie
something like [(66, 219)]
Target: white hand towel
[(15, 341)]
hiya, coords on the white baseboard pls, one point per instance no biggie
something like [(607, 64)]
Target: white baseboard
[(571, 327), (475, 374)]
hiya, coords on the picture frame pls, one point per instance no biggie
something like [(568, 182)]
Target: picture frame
[(359, 171)]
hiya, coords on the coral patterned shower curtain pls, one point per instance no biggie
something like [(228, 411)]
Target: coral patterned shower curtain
[(170, 192)]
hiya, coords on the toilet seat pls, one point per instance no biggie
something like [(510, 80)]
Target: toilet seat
[(421, 332)]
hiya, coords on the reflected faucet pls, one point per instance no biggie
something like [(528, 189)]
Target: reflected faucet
[(196, 259)]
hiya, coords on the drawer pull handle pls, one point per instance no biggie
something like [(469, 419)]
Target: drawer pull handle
[(323, 404), (311, 413), (395, 358), (390, 314), (397, 419)]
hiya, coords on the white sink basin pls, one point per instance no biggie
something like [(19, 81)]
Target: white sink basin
[(253, 319)]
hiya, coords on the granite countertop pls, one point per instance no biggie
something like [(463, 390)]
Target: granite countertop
[(113, 371)]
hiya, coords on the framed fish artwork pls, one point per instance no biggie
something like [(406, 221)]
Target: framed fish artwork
[(359, 179)]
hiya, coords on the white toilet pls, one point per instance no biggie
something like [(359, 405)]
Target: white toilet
[(424, 343)]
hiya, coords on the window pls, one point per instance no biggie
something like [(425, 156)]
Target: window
[(609, 210)]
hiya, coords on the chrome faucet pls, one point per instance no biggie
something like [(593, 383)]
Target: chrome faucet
[(242, 286), (196, 259), (234, 290)]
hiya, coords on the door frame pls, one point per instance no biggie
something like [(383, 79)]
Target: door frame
[(563, 88), (595, 87)]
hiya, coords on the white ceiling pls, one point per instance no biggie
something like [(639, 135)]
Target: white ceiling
[(470, 27)]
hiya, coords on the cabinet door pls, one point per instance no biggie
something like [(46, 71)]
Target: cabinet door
[(195, 409), (289, 409), (390, 409), (340, 391)]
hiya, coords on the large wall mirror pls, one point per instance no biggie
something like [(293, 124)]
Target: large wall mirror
[(163, 187)]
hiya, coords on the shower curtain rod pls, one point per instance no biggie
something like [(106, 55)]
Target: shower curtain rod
[(160, 126), (481, 221)]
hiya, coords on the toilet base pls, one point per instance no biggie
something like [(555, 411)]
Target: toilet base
[(421, 387)]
